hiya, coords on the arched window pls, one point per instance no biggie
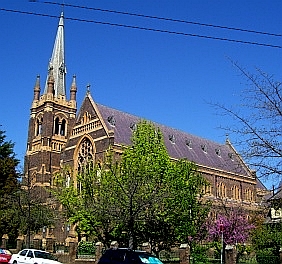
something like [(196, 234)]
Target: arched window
[(57, 125), (38, 126), (85, 157), (221, 190), (235, 191), (207, 189), (63, 128), (249, 195)]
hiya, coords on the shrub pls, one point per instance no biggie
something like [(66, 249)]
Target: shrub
[(86, 248)]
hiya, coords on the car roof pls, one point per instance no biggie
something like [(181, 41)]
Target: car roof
[(138, 251), (34, 249), (127, 249)]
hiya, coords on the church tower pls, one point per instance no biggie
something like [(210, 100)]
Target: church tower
[(52, 117)]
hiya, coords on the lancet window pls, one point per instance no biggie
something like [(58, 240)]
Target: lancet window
[(60, 126), (235, 192), (38, 126), (85, 157), (249, 195), (207, 189), (221, 190)]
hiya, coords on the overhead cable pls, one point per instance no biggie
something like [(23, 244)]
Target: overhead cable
[(163, 18), (145, 28)]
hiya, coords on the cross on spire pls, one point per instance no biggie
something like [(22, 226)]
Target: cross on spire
[(88, 88)]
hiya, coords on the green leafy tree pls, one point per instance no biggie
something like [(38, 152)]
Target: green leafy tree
[(267, 239), (32, 214), (181, 216), (19, 212), (186, 204), (9, 185), (90, 205), (8, 166), (141, 177), (140, 196)]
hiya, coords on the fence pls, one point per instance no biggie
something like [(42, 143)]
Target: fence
[(169, 256)]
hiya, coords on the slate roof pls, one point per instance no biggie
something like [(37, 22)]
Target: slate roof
[(260, 185), (201, 151)]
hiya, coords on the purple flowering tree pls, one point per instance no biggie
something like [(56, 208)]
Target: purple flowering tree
[(234, 225)]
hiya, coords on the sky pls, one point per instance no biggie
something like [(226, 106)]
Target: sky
[(167, 78)]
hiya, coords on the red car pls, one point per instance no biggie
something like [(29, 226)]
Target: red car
[(5, 256)]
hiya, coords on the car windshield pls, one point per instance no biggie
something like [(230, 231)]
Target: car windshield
[(5, 251), (149, 259), (44, 255)]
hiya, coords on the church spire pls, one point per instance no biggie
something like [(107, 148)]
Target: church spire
[(57, 62)]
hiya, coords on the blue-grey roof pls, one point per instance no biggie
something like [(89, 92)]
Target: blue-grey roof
[(179, 144)]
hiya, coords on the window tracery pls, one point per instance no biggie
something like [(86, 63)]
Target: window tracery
[(85, 158)]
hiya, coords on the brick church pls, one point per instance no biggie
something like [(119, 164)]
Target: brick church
[(59, 134)]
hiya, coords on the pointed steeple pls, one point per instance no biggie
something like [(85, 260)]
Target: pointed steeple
[(36, 91), (57, 62)]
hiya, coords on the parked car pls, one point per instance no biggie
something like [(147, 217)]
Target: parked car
[(5, 255), (33, 256), (127, 256)]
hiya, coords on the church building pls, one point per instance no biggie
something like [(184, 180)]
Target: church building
[(59, 134)]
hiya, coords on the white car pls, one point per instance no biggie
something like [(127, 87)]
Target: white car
[(33, 256)]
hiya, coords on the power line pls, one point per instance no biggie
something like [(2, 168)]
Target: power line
[(163, 18), (145, 28)]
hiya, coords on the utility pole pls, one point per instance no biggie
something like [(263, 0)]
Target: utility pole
[(28, 204), (221, 228)]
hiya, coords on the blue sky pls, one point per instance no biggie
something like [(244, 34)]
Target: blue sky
[(162, 77)]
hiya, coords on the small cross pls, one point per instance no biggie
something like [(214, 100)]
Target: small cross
[(88, 88)]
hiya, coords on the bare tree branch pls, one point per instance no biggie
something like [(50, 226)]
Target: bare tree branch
[(258, 123)]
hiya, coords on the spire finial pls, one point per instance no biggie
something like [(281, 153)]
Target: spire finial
[(73, 85), (88, 88), (37, 82), (227, 138)]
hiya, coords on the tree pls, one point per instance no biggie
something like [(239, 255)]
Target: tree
[(8, 186), (18, 212), (31, 213), (140, 177), (141, 195), (230, 228), (267, 239), (258, 123), (8, 166), (90, 206), (183, 212), (234, 226)]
